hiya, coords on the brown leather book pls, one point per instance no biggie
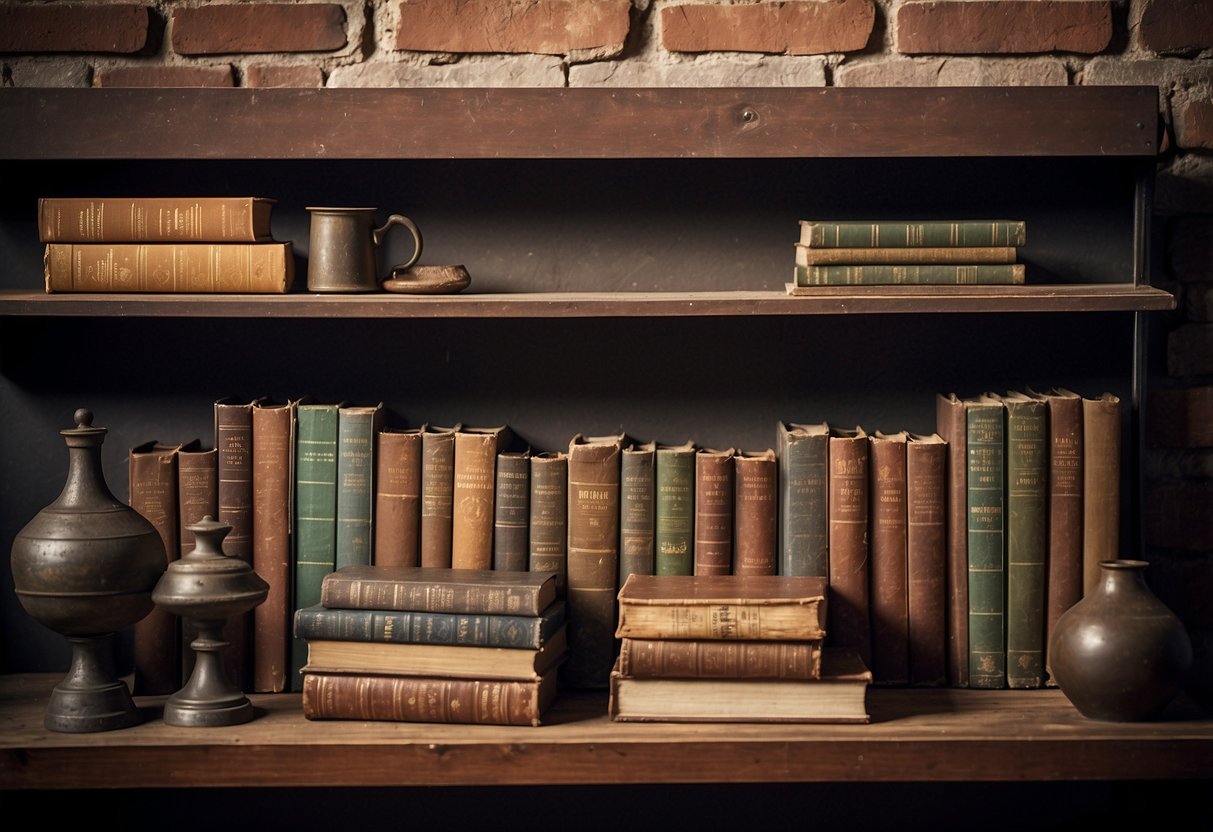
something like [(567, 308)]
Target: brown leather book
[(437, 484), (153, 493), (889, 576), (594, 466), (1100, 484), (154, 219), (927, 557), (398, 497), (197, 497), (511, 511), (1063, 580), (205, 268), (756, 513), (719, 659), (234, 447), (714, 477), (549, 511), (950, 424), (850, 593), (472, 493), (273, 481)]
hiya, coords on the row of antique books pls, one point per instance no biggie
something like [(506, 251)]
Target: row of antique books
[(882, 253), (431, 644), (163, 244)]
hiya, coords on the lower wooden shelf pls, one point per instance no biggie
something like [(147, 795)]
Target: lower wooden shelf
[(935, 735)]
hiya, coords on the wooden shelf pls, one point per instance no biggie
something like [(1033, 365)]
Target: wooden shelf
[(824, 301), (938, 735)]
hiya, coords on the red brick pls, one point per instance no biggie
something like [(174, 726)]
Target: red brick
[(547, 27), (278, 75), (974, 27), (1178, 516), (243, 28), (1172, 25), (794, 28), (1194, 125), (1180, 417), (75, 27), (164, 76), (1190, 247)]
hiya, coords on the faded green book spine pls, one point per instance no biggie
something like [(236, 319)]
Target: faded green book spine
[(986, 505), (315, 512), (637, 510), (894, 234), (674, 504), (935, 274), (316, 622), (803, 522), (356, 430), (1027, 538)]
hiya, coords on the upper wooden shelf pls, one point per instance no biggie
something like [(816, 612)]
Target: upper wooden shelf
[(824, 301), (492, 123), (941, 735)]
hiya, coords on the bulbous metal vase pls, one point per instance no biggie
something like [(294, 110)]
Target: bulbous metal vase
[(85, 567)]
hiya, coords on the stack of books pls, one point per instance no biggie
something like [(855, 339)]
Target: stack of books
[(431, 644), (163, 245), (732, 648), (933, 252)]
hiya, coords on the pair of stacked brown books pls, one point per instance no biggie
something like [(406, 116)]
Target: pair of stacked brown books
[(430, 644), (732, 648)]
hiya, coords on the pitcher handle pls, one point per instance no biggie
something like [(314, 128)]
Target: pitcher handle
[(399, 219)]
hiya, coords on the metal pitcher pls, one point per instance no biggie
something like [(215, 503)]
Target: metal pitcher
[(343, 248)]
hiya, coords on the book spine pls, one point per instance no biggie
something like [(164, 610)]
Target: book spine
[(674, 511), (722, 621), (690, 659), (340, 591), (637, 512), (473, 494), (914, 234), (950, 424), (903, 255), (357, 429), (889, 561), (197, 491), (153, 478), (273, 484), (153, 220), (234, 447), (1027, 540), (713, 542), (986, 501), (1100, 485), (207, 268), (548, 524), (421, 699), (593, 517), (990, 274), (315, 540), (511, 512), (803, 529), (927, 560), (398, 498), (411, 627), (437, 484), (850, 594), (1063, 585), (755, 513)]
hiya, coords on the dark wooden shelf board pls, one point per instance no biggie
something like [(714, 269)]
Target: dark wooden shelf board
[(824, 301)]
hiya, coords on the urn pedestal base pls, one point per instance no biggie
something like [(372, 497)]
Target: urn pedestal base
[(91, 698)]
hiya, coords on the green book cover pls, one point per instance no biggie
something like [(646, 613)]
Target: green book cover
[(1027, 537), (905, 233), (674, 509), (637, 509), (315, 536), (803, 523), (416, 627), (357, 427), (986, 508), (933, 274)]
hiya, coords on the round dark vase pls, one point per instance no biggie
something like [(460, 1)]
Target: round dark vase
[(1119, 654), (85, 567)]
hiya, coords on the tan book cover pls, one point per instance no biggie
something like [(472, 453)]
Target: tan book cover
[(755, 513), (205, 268), (720, 659), (213, 219), (472, 492), (398, 497)]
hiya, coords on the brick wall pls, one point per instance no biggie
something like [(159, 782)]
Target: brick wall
[(577, 43)]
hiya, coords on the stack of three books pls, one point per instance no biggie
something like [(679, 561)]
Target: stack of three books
[(732, 648), (432, 644)]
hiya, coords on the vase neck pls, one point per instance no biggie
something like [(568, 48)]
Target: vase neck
[(85, 487), (1123, 578)]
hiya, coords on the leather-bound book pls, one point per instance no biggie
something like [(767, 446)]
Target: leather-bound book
[(1101, 425), (154, 219), (549, 512), (194, 268), (674, 506), (594, 471), (803, 526), (398, 497), (437, 485), (357, 436), (511, 511), (714, 478), (986, 501), (197, 497), (889, 564), (438, 589), (755, 512), (637, 510), (850, 594), (950, 424), (720, 658), (473, 489), (927, 557)]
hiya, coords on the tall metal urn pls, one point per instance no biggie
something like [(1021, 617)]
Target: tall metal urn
[(85, 567)]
